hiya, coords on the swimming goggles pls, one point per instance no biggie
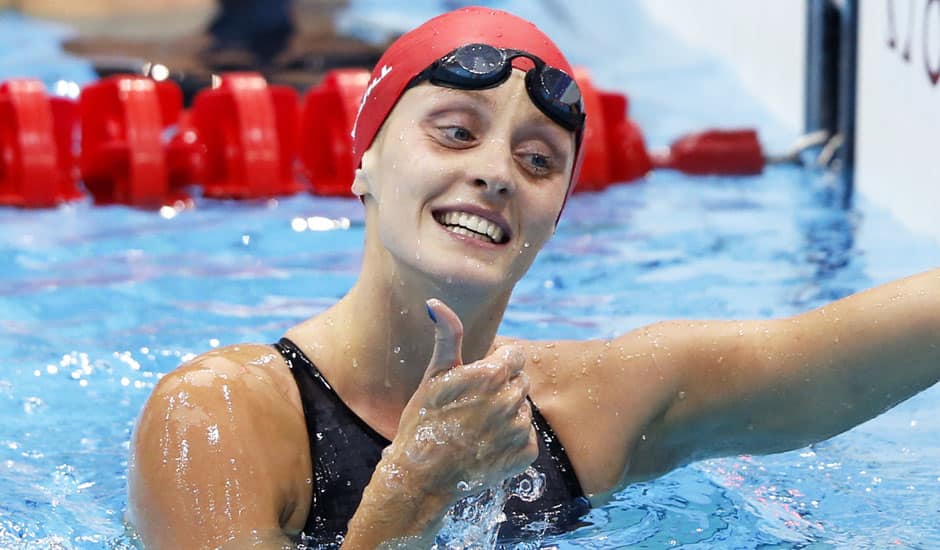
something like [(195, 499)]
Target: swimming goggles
[(481, 66)]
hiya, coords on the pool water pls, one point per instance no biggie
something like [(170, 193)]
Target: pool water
[(97, 303)]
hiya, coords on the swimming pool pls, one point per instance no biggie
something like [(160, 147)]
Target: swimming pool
[(97, 303)]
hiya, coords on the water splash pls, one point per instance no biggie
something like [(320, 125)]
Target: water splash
[(473, 522)]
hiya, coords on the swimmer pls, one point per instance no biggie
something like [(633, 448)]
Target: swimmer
[(367, 422)]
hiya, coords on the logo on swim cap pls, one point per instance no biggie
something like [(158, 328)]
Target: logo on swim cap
[(375, 82)]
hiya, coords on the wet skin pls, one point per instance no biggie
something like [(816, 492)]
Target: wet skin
[(221, 457)]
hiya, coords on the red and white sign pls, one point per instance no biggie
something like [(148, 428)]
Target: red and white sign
[(898, 124)]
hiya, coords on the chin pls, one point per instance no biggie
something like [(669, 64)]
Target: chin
[(480, 280), (471, 278)]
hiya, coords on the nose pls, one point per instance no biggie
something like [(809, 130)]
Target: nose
[(494, 186), (493, 173)]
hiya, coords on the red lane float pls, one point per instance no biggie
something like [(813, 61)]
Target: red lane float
[(37, 166), (715, 152), (329, 113), (614, 150), (248, 131), (123, 121), (241, 140)]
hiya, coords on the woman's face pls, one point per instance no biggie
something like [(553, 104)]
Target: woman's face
[(466, 186)]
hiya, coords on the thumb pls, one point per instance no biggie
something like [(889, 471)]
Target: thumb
[(448, 338)]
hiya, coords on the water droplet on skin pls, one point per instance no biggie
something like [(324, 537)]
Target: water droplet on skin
[(536, 359), (396, 350), (681, 395), (212, 434)]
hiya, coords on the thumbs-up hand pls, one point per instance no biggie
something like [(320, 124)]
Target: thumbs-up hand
[(467, 423)]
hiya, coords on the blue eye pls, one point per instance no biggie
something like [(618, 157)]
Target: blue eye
[(540, 161), (539, 164), (458, 133)]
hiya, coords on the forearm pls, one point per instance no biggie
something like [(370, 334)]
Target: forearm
[(769, 386), (857, 357), (396, 511)]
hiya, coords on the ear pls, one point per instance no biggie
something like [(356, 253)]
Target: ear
[(360, 184)]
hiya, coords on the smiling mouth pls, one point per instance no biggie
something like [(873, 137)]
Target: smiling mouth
[(473, 226)]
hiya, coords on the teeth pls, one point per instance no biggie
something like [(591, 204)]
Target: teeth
[(464, 223), (467, 233)]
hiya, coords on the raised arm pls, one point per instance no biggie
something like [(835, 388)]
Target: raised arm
[(770, 386), (662, 396)]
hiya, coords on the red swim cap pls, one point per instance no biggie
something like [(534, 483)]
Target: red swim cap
[(416, 50)]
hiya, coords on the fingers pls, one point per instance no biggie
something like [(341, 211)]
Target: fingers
[(521, 451), (502, 367), (514, 398), (448, 338), (513, 359)]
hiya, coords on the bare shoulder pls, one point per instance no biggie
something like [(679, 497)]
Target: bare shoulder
[(257, 366), (220, 450), (215, 381), (603, 396), (582, 373)]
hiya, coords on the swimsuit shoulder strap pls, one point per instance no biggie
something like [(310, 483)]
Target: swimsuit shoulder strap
[(343, 448), (313, 385), (557, 451)]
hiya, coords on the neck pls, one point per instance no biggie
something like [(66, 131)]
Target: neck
[(380, 338)]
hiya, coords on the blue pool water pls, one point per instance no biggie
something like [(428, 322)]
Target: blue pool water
[(97, 303)]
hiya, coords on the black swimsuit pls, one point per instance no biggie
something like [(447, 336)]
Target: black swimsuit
[(345, 452)]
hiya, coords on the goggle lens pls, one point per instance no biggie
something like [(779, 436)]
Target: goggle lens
[(560, 87), (479, 60), (562, 96)]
